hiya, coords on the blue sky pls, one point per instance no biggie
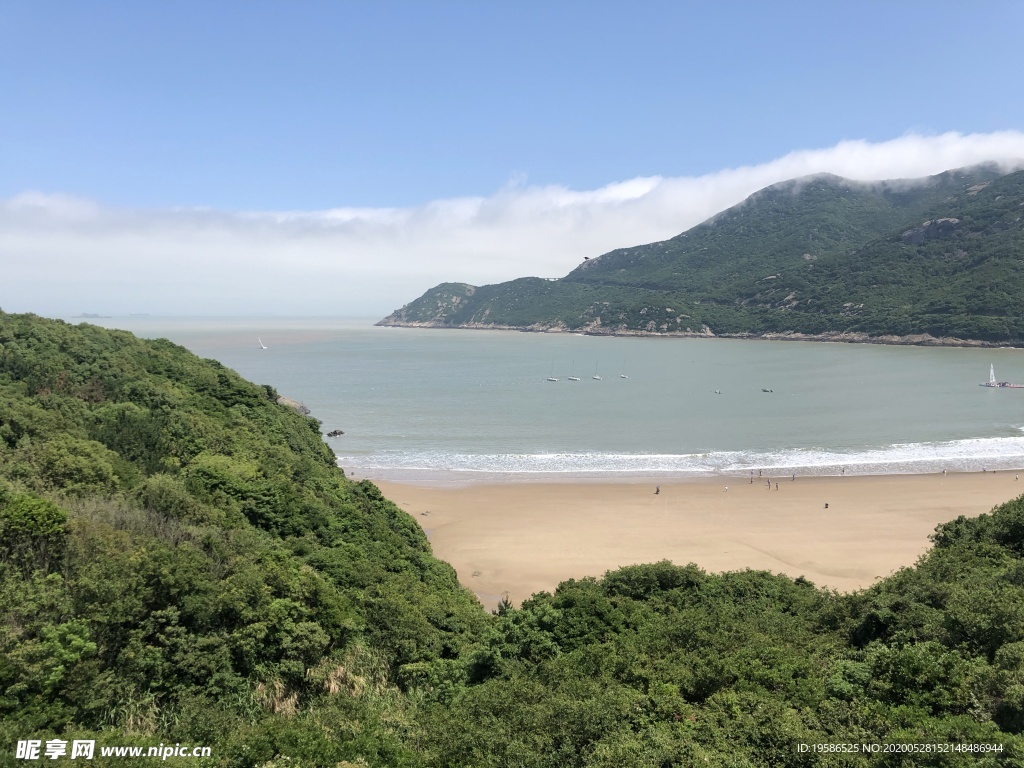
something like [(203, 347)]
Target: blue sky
[(310, 105), (127, 110)]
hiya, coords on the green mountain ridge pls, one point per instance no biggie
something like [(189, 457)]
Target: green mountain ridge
[(181, 561), (821, 256)]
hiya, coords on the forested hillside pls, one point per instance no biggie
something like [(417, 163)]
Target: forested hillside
[(182, 561), (825, 256)]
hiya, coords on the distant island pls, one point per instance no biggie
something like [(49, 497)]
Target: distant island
[(924, 261)]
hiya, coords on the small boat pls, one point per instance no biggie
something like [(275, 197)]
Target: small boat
[(623, 374), (573, 376), (596, 376), (262, 345), (1000, 384), (552, 376)]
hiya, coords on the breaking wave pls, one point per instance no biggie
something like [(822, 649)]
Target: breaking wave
[(903, 458)]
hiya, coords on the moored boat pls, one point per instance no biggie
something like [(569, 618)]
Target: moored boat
[(999, 384)]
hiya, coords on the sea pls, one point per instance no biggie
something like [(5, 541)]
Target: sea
[(442, 406)]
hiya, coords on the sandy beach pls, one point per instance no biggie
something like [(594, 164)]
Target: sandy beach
[(521, 538)]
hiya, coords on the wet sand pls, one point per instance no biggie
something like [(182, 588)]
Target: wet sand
[(521, 538)]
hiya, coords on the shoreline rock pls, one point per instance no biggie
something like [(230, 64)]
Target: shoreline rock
[(294, 404)]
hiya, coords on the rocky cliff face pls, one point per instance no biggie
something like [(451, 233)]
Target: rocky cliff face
[(931, 230)]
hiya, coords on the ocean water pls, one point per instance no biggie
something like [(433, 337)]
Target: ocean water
[(449, 405)]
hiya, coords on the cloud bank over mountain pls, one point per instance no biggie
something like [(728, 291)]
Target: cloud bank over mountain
[(62, 254)]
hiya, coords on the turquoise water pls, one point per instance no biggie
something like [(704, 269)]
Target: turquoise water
[(432, 404)]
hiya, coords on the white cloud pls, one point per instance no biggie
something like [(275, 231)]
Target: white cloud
[(61, 254)]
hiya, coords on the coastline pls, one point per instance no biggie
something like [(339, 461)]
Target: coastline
[(517, 539), (840, 337)]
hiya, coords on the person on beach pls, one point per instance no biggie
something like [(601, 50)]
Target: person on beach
[(657, 490), (776, 486)]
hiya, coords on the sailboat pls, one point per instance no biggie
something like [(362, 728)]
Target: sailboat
[(262, 345), (573, 376), (623, 374), (552, 376), (596, 376), (1002, 384)]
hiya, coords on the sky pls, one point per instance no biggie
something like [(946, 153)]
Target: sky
[(340, 158)]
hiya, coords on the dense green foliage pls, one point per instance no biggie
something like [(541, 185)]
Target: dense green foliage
[(665, 665), (180, 555), (821, 255), (182, 561)]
